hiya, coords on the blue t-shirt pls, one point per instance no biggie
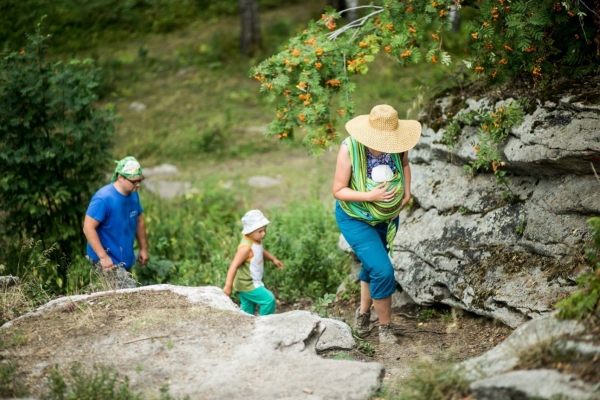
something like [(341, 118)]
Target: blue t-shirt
[(117, 215)]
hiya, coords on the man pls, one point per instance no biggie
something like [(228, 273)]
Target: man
[(113, 220)]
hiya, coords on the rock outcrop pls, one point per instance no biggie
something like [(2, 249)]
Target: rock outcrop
[(195, 340), (466, 246)]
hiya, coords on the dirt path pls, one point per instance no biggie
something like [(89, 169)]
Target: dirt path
[(439, 334)]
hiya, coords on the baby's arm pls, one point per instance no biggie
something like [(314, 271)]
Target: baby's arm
[(243, 252), (273, 259)]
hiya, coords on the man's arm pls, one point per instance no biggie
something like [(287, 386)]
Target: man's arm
[(140, 235), (89, 230)]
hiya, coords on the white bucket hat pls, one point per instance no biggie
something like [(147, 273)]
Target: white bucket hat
[(253, 220), (381, 130)]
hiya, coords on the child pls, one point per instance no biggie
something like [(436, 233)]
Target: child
[(246, 270)]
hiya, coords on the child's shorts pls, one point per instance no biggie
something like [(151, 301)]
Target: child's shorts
[(261, 297)]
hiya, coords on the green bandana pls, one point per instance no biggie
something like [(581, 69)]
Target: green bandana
[(129, 167)]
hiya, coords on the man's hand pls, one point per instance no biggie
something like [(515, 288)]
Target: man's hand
[(143, 257), (227, 290), (107, 264)]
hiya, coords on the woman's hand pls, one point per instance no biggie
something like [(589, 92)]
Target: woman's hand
[(380, 193), (405, 201)]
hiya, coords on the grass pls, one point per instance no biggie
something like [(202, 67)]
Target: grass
[(206, 116), (430, 380)]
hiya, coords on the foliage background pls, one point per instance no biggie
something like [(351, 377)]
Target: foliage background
[(181, 59)]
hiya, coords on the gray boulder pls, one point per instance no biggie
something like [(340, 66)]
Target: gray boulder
[(467, 246), (196, 340)]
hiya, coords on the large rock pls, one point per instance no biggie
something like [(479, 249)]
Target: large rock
[(467, 246), (502, 372), (194, 339)]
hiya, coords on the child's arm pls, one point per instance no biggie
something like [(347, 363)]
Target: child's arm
[(242, 254), (273, 259)]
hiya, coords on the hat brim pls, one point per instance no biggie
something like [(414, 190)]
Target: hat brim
[(402, 139), (256, 225)]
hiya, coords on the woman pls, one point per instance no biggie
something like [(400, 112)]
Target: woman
[(372, 185)]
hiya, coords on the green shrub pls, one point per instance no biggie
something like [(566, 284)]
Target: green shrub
[(193, 240), (190, 237), (54, 148), (99, 383), (587, 299), (305, 239), (312, 79), (81, 24), (430, 382), (10, 386)]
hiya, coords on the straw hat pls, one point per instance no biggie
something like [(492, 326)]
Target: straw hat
[(381, 130)]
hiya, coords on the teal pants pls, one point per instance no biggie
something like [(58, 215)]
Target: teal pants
[(261, 297)]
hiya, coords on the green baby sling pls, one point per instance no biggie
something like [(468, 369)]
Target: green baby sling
[(373, 213)]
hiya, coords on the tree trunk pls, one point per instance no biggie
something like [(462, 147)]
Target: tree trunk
[(250, 40), (341, 5)]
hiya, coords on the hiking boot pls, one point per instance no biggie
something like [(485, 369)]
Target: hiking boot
[(387, 335), (362, 322)]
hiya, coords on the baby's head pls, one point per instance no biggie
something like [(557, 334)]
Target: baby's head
[(255, 225)]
